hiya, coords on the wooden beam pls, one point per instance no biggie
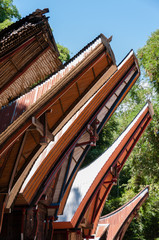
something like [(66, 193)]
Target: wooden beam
[(93, 72), (61, 106), (17, 161), (28, 159), (78, 89), (2, 206), (42, 129), (7, 154)]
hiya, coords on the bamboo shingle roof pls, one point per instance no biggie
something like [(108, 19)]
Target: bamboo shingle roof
[(28, 54)]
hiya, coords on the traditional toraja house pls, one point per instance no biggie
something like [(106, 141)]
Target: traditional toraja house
[(114, 225), (28, 54), (46, 133), (93, 183), (81, 75), (79, 146), (124, 78), (79, 132), (126, 74), (55, 101)]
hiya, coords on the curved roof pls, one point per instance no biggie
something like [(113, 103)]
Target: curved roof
[(107, 97), (86, 177), (27, 104), (56, 101), (93, 184), (120, 219)]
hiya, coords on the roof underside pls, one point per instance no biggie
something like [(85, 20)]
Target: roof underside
[(102, 114)]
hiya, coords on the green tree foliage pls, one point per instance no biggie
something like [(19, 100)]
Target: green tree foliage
[(64, 53), (8, 11), (149, 58)]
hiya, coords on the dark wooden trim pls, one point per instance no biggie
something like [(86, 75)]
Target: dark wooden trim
[(2, 207), (61, 106), (78, 89)]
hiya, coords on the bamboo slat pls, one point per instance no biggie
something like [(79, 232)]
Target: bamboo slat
[(39, 70)]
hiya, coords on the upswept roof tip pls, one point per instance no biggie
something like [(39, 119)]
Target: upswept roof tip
[(103, 39), (150, 107), (142, 193)]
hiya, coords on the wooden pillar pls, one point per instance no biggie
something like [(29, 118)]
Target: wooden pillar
[(22, 224)]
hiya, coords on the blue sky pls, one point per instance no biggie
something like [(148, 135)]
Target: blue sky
[(76, 23)]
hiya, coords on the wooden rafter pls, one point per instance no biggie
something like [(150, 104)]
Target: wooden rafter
[(17, 161)]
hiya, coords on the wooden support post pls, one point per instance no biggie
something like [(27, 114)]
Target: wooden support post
[(22, 224), (92, 130), (36, 222), (50, 231), (46, 228)]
